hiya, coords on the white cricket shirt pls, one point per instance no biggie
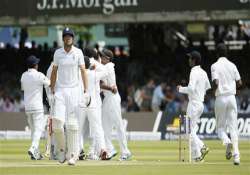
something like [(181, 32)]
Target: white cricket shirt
[(197, 86), (227, 74), (68, 67), (110, 79), (32, 83), (94, 78)]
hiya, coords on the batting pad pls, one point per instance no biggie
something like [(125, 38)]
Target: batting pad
[(59, 134), (72, 136)]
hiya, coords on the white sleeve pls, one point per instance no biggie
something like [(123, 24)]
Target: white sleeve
[(80, 58), (237, 74), (191, 85), (208, 86), (44, 80), (102, 73), (55, 59), (214, 73)]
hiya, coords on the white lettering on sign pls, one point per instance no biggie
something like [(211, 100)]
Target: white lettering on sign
[(208, 126), (108, 6), (211, 125)]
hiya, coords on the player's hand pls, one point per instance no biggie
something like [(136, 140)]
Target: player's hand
[(114, 89), (93, 67), (52, 91)]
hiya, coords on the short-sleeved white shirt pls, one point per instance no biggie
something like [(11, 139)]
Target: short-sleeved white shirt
[(68, 67), (32, 83), (110, 79), (197, 86), (227, 74)]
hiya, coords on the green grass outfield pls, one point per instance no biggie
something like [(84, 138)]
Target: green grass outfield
[(149, 157)]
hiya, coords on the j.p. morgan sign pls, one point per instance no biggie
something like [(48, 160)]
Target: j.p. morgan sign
[(136, 6), (106, 6), (60, 8)]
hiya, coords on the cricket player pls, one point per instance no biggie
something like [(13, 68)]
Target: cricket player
[(90, 111), (111, 110), (32, 83), (65, 74), (225, 77), (95, 63), (196, 90)]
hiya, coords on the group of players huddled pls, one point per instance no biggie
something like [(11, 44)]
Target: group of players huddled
[(73, 84)]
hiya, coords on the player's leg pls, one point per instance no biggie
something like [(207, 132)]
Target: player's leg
[(58, 122), (107, 124), (32, 149), (72, 125), (58, 130), (81, 114), (220, 109), (233, 127), (72, 129), (194, 111), (121, 133), (97, 133), (39, 127)]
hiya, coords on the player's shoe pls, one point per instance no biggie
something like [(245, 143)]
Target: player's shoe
[(34, 154), (125, 157), (229, 147), (103, 155), (72, 160), (236, 159), (61, 156), (82, 155), (111, 154), (204, 152)]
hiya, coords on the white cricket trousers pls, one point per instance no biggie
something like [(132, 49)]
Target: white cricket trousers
[(111, 116), (95, 127), (37, 123), (226, 118), (194, 111)]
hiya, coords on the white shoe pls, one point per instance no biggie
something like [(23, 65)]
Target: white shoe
[(126, 156), (111, 154), (61, 156), (34, 154), (236, 159), (72, 161)]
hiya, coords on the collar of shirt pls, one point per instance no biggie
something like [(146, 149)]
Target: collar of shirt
[(32, 70), (71, 50), (222, 59), (196, 67)]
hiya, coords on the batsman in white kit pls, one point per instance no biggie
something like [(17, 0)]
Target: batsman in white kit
[(65, 73), (225, 77), (196, 90), (32, 83), (89, 110), (111, 110)]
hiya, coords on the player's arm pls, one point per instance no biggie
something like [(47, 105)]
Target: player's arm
[(191, 85), (109, 88), (215, 78), (53, 78), (84, 77), (237, 78)]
